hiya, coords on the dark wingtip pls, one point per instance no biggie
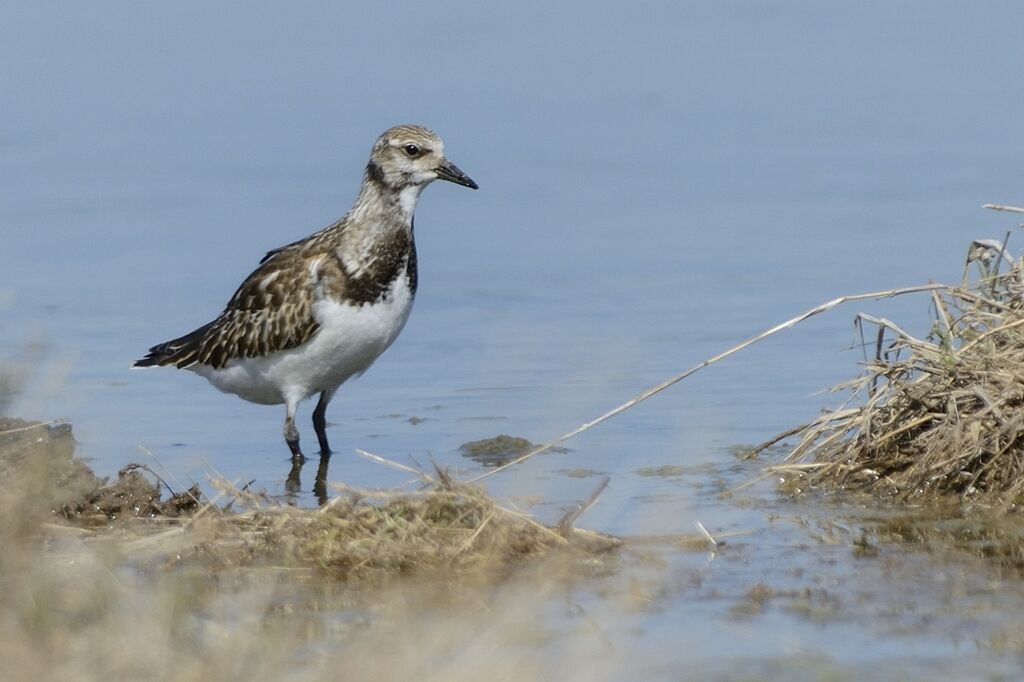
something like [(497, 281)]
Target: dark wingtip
[(180, 352), (148, 361)]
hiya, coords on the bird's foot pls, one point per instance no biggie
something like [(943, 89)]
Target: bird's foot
[(293, 446)]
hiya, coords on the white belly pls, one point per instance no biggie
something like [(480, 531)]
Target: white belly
[(349, 340)]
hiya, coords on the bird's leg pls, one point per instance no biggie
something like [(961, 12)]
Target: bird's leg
[(291, 437), (291, 434), (320, 421)]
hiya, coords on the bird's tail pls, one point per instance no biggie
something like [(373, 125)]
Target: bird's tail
[(180, 352)]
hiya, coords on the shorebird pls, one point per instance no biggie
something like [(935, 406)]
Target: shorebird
[(321, 310)]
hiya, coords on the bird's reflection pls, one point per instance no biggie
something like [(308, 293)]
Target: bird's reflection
[(293, 483)]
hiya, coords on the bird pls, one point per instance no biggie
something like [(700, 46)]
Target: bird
[(319, 311)]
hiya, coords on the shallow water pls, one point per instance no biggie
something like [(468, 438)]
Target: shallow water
[(656, 185)]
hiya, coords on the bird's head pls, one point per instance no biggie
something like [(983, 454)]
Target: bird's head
[(409, 155)]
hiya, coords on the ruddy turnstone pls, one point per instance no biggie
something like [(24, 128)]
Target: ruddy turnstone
[(321, 310)]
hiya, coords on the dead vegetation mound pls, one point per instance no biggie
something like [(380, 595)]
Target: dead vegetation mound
[(37, 464), (132, 495), (366, 534), (939, 417), (445, 524)]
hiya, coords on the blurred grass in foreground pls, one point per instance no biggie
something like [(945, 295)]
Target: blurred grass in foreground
[(436, 584)]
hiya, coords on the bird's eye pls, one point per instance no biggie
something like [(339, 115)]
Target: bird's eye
[(412, 150)]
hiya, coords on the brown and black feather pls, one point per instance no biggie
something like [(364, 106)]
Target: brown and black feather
[(272, 310)]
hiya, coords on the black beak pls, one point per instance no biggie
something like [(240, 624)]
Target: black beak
[(450, 172)]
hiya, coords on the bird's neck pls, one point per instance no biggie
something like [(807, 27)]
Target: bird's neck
[(383, 203), (378, 229)]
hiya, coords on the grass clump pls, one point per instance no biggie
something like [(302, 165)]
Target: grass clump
[(940, 417), (445, 525), (367, 534)]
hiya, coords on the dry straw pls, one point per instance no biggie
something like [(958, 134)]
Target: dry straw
[(368, 534), (938, 418)]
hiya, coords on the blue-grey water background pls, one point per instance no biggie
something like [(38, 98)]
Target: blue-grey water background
[(658, 182)]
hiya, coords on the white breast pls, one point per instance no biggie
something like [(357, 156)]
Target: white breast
[(349, 340)]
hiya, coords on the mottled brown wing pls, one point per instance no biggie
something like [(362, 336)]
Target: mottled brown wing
[(271, 311)]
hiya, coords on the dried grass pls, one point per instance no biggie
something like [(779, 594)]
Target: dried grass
[(365, 534), (939, 417), (358, 534)]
